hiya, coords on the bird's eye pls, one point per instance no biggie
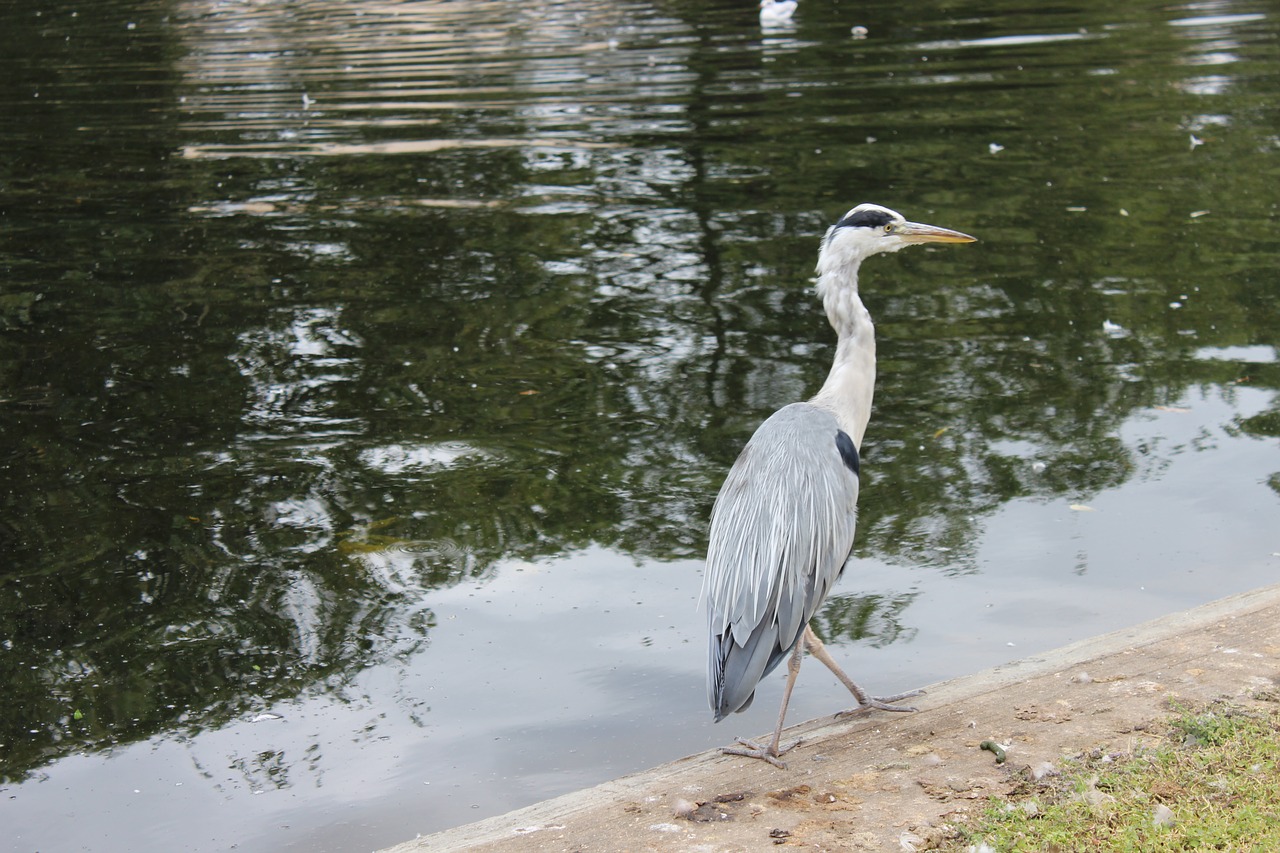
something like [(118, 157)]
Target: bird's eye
[(888, 229)]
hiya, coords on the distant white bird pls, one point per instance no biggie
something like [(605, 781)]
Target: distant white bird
[(774, 12)]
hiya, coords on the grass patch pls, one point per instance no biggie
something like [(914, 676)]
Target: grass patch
[(1210, 781)]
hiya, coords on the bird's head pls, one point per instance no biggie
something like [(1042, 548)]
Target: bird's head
[(870, 229)]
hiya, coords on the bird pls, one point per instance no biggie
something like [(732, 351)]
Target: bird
[(782, 525), (775, 12)]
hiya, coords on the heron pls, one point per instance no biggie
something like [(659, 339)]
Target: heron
[(782, 525)]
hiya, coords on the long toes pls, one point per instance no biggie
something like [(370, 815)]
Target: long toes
[(882, 703), (751, 749), (897, 697), (782, 750), (883, 706), (762, 754), (785, 749)]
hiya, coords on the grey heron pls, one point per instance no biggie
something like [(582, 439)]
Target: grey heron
[(782, 526)]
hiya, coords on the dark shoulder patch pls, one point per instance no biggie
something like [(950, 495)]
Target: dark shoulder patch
[(865, 219), (848, 452)]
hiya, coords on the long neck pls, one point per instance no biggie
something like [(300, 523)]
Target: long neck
[(850, 384)]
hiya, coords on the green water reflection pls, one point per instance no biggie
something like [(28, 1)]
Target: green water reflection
[(298, 322)]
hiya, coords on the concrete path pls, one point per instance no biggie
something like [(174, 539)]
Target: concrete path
[(870, 782)]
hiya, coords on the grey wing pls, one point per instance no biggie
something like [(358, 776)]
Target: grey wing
[(781, 530)]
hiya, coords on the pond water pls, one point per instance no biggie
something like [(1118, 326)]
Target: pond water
[(368, 370)]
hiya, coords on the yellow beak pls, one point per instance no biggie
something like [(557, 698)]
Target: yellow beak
[(918, 232)]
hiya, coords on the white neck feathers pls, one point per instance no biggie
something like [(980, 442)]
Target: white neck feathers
[(848, 391)]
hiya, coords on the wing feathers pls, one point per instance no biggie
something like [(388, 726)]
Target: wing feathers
[(781, 530)]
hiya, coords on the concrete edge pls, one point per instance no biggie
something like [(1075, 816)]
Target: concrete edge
[(565, 806)]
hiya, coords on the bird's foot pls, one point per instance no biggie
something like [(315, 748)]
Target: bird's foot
[(751, 749), (883, 703)]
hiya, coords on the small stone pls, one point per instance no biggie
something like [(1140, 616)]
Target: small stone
[(909, 841), (1042, 770)]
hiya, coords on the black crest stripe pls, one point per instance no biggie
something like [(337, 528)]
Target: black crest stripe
[(865, 219)]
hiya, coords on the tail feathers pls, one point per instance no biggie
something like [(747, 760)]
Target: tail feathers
[(736, 670)]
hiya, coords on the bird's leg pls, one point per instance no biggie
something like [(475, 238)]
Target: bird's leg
[(774, 751), (865, 702)]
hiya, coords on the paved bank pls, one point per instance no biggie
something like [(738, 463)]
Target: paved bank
[(869, 781)]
